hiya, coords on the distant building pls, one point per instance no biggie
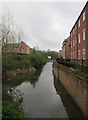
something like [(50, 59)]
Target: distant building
[(20, 48), (24, 48), (65, 48)]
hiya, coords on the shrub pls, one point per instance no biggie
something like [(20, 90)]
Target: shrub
[(15, 61), (10, 111)]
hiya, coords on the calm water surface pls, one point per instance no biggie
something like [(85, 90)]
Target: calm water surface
[(47, 98)]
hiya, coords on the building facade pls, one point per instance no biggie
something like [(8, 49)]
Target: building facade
[(20, 48), (24, 48), (65, 48), (79, 38)]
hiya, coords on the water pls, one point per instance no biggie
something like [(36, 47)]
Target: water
[(44, 97)]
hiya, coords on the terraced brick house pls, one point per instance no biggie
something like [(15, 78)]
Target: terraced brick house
[(20, 48), (65, 48), (79, 38)]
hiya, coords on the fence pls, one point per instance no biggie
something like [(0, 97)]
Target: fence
[(75, 63)]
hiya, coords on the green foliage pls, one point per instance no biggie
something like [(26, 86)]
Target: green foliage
[(38, 59), (53, 54), (73, 65), (16, 61), (13, 62), (10, 111)]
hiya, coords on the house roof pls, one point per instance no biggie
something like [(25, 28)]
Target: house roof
[(24, 43)]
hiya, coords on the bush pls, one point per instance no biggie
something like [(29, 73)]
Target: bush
[(10, 111), (73, 65), (37, 59), (15, 61)]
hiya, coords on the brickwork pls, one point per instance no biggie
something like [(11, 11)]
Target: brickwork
[(65, 48), (76, 85), (79, 37), (21, 48), (24, 48)]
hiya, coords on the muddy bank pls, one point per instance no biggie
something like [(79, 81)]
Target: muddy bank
[(15, 73)]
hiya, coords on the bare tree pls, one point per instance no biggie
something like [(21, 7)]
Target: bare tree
[(10, 34), (20, 34), (6, 30)]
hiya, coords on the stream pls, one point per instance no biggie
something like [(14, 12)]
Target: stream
[(45, 97)]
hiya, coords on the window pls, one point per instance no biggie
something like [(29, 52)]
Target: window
[(83, 16), (71, 35), (27, 51), (79, 23), (28, 48), (83, 54), (73, 43), (79, 38), (79, 54), (75, 28), (73, 31), (73, 55), (75, 40), (83, 35)]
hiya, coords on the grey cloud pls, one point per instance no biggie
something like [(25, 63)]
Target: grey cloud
[(47, 24)]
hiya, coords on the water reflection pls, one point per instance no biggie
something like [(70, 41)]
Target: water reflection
[(34, 79), (44, 97), (72, 110), (42, 101)]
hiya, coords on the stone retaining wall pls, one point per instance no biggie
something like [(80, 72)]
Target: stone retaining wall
[(75, 83)]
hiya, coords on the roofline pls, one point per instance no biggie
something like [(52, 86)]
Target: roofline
[(25, 44), (79, 16)]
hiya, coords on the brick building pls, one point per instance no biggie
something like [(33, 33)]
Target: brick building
[(24, 48), (79, 38), (20, 48), (65, 48)]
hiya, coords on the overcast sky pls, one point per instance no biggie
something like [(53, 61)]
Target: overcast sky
[(45, 24)]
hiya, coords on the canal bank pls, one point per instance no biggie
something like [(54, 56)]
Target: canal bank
[(47, 98), (16, 69), (75, 83)]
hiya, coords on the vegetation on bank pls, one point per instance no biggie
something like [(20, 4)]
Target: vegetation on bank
[(73, 65), (14, 62), (11, 111), (53, 54)]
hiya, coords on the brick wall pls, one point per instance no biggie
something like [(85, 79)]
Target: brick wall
[(76, 85), (77, 31), (67, 48), (24, 49)]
